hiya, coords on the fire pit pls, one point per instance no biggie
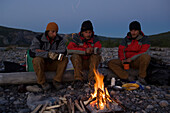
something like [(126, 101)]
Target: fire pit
[(100, 100)]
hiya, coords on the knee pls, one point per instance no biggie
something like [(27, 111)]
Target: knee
[(75, 58), (111, 62), (145, 57), (95, 57), (38, 60), (65, 60)]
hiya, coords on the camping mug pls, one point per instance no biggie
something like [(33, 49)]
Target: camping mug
[(60, 57), (96, 50), (126, 65)]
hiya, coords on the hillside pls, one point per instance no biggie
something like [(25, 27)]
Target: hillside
[(20, 37), (160, 40), (11, 36)]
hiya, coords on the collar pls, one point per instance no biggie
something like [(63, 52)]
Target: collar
[(46, 38), (140, 36), (85, 40)]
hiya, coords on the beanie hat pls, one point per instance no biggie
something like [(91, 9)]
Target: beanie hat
[(52, 26), (135, 25), (86, 25)]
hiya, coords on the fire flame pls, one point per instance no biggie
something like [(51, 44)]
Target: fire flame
[(100, 93)]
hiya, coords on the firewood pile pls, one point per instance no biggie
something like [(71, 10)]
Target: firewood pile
[(72, 106)]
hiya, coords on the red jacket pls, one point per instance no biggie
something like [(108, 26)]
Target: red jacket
[(133, 48), (78, 45)]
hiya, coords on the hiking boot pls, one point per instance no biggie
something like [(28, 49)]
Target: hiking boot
[(78, 84), (142, 80), (57, 85), (45, 86)]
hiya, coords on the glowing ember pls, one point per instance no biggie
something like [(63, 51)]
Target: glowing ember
[(100, 93)]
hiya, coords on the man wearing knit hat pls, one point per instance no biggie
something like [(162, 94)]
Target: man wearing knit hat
[(85, 50), (133, 51), (48, 51)]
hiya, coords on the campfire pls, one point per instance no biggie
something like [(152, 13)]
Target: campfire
[(100, 100)]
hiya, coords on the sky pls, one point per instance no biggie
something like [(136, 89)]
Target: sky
[(110, 18)]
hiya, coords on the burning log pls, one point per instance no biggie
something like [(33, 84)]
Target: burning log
[(44, 107), (78, 106), (70, 106), (52, 111), (113, 100), (98, 98), (55, 106), (37, 108), (107, 104), (88, 101), (81, 103), (91, 109), (63, 99)]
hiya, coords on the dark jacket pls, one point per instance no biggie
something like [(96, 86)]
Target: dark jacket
[(42, 42), (133, 48)]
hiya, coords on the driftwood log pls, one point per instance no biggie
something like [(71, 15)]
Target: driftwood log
[(30, 77)]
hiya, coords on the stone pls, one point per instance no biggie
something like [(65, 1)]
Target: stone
[(149, 107), (163, 103), (167, 96), (3, 101), (12, 98), (7, 90), (34, 88), (148, 87), (143, 111), (1, 89), (87, 90), (112, 92), (23, 110), (140, 102), (16, 102)]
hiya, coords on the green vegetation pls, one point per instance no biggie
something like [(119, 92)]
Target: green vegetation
[(109, 43), (160, 40)]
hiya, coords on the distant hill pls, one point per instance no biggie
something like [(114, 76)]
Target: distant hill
[(11, 36), (21, 37), (160, 40)]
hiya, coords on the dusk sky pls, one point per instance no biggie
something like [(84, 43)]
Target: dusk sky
[(109, 17)]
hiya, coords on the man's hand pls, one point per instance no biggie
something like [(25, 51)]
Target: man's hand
[(127, 60), (39, 50), (52, 55), (96, 51), (89, 50)]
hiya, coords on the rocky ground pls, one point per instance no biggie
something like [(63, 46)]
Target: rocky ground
[(20, 99), (16, 99)]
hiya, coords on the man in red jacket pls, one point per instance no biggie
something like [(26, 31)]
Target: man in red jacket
[(85, 50), (133, 50)]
